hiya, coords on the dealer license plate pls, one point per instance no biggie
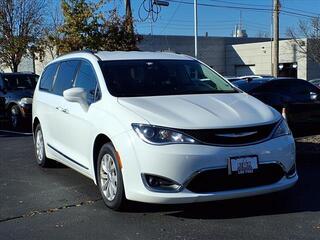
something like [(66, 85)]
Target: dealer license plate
[(243, 165)]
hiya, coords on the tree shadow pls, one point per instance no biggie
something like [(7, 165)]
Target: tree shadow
[(308, 148), (300, 131)]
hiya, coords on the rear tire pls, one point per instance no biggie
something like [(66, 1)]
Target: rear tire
[(40, 151), (109, 178)]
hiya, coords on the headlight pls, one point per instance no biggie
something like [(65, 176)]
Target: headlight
[(25, 101), (160, 136), (282, 129)]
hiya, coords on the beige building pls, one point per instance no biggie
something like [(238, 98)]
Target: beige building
[(255, 58)]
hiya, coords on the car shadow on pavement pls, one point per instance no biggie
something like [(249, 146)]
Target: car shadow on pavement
[(302, 197), (305, 131), (308, 147), (7, 131)]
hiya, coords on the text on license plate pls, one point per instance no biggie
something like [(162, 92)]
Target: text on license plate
[(243, 165)]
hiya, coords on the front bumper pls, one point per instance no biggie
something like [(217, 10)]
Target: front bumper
[(188, 197), (180, 162)]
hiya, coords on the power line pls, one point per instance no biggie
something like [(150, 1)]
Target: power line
[(299, 14), (222, 6), (188, 24), (243, 4), (299, 10), (171, 18), (269, 10)]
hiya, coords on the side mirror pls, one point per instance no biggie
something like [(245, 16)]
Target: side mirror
[(78, 95)]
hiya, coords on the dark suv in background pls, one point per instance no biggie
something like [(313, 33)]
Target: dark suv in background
[(298, 100), (16, 92)]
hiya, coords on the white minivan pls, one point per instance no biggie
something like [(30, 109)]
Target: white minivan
[(158, 128)]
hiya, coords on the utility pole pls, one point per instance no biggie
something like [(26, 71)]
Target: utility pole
[(195, 10), (128, 8), (275, 45)]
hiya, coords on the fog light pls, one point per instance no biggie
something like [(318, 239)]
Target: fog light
[(152, 181), (292, 172), (162, 184)]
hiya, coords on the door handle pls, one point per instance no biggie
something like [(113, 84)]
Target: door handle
[(64, 110)]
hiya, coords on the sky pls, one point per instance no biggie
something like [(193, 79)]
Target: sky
[(218, 17), (177, 18)]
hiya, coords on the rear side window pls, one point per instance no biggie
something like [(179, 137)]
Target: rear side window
[(1, 83), (86, 79), (276, 86), (47, 77), (65, 76), (302, 87)]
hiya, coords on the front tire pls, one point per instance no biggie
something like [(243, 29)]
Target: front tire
[(110, 180), (40, 151)]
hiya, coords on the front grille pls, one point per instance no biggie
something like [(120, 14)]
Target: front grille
[(233, 136), (218, 179)]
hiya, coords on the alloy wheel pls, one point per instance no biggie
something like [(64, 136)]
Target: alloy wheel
[(108, 177), (14, 118), (39, 146)]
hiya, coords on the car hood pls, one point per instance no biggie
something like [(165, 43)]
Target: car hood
[(201, 111)]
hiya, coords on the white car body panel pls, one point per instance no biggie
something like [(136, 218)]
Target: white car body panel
[(202, 111), (72, 135)]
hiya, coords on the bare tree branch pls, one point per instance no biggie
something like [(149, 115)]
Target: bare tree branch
[(20, 28), (311, 31)]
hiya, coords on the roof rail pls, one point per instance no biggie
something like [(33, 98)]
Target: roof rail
[(93, 52)]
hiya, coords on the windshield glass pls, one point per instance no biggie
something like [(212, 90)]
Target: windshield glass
[(15, 82), (161, 77)]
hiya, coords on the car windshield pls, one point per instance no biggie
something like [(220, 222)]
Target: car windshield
[(132, 78), (20, 81)]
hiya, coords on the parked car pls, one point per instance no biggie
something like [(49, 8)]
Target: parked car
[(232, 79), (251, 77), (159, 128), (315, 82), (297, 99), (16, 91), (2, 108)]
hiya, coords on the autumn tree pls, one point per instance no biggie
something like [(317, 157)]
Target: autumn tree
[(87, 26), (311, 31), (21, 24)]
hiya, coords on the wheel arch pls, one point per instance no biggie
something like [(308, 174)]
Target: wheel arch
[(99, 141), (10, 105), (35, 124)]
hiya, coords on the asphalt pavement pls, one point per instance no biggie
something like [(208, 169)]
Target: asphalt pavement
[(59, 203)]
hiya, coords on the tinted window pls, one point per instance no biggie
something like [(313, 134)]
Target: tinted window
[(302, 87), (86, 79), (19, 81), (276, 86), (65, 76), (248, 86), (161, 77), (47, 77)]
